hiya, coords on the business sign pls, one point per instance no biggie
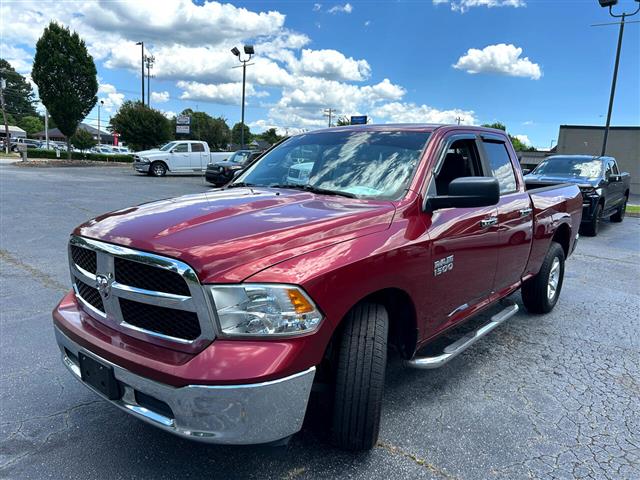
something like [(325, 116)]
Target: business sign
[(359, 120), (183, 120), (183, 129)]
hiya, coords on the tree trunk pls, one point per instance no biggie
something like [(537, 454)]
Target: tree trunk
[(68, 148)]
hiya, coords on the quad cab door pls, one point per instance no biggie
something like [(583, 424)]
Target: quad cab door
[(515, 214), (199, 157), (464, 241)]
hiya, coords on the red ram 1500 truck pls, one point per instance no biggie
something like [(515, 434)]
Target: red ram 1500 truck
[(212, 315)]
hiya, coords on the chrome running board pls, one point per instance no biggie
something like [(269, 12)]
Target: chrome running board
[(460, 345)]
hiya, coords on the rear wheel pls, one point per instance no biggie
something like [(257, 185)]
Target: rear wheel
[(540, 293), (622, 209), (158, 169), (591, 228), (362, 360)]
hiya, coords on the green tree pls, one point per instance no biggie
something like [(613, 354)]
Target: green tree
[(18, 97), (270, 135), (236, 134), (66, 77), (517, 143), (83, 140), (214, 131), (31, 124), (343, 121), (141, 127)]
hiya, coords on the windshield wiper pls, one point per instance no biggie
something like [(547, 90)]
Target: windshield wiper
[(240, 184), (314, 189)]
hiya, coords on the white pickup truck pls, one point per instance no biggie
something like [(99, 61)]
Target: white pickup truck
[(179, 156)]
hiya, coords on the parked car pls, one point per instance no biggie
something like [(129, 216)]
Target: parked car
[(27, 142), (298, 173), (605, 190), (178, 156), (212, 315), (221, 172)]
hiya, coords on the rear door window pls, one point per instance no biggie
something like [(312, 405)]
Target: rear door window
[(501, 167), (197, 147)]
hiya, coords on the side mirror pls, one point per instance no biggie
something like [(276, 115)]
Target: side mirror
[(467, 192), (526, 171), (236, 174), (614, 177)]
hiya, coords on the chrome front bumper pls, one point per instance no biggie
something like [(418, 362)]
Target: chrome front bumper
[(141, 167), (225, 414)]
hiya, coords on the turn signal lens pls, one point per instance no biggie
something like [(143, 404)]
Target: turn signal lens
[(299, 302)]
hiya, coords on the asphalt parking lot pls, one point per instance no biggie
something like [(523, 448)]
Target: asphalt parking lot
[(553, 396)]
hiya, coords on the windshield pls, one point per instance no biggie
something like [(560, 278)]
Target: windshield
[(570, 167), (365, 164), (239, 157), (168, 146)]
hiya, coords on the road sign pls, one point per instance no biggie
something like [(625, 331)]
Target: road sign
[(183, 120), (359, 120), (183, 129)]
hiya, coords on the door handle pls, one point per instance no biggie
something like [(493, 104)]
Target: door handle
[(525, 212), (488, 222)]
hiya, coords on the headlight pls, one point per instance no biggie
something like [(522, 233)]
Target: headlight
[(264, 309)]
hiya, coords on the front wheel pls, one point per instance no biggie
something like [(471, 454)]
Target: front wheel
[(622, 209), (362, 360), (540, 293), (158, 169)]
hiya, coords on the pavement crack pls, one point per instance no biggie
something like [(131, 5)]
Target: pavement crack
[(395, 450), (38, 275)]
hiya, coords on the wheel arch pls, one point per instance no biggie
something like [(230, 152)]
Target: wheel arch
[(166, 165), (563, 236)]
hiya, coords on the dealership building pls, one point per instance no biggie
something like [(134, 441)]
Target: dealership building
[(623, 144)]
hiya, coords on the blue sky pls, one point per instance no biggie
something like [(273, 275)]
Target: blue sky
[(539, 63)]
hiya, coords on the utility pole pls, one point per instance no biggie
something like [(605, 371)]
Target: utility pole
[(99, 131), (458, 119), (149, 60), (622, 17), (328, 112), (3, 85), (46, 127), (142, 69)]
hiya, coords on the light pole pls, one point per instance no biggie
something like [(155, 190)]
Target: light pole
[(149, 60), (99, 132), (610, 4), (142, 68), (248, 50)]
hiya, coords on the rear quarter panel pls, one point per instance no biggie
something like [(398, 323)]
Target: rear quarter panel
[(553, 207)]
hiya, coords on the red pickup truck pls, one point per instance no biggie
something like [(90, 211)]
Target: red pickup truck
[(213, 315)]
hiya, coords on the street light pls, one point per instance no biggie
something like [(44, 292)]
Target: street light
[(150, 60), (610, 4), (101, 103), (142, 67), (248, 50)]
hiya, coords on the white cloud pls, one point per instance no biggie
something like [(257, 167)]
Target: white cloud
[(397, 112), (330, 64), (524, 139), (169, 114), (110, 96), (160, 97), (502, 59), (463, 5), (19, 59), (224, 93), (346, 8), (317, 7), (367, 23)]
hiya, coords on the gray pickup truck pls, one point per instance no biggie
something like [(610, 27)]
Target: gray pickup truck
[(605, 190)]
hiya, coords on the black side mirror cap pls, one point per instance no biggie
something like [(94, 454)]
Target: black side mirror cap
[(614, 177), (467, 192), (526, 171)]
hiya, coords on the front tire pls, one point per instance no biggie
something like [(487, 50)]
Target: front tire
[(622, 209), (591, 228), (362, 361), (157, 169), (540, 293)]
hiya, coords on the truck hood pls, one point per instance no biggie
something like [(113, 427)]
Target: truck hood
[(591, 182), (143, 153), (229, 235)]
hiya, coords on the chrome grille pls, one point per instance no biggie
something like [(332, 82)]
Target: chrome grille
[(147, 296)]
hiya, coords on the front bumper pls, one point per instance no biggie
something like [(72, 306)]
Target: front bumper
[(141, 167), (225, 414), (217, 177)]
